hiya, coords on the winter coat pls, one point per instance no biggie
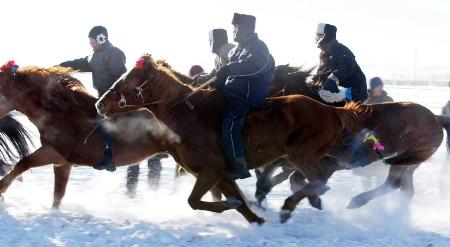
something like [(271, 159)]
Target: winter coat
[(251, 72), (378, 99), (341, 62), (222, 57), (107, 64)]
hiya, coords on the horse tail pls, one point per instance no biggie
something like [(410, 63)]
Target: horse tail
[(445, 121), (352, 116), (12, 132)]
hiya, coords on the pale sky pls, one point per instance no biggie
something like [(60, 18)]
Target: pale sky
[(393, 39)]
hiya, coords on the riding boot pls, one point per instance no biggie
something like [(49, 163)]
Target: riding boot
[(239, 170), (107, 160)]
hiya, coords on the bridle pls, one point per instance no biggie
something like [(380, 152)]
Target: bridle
[(138, 95)]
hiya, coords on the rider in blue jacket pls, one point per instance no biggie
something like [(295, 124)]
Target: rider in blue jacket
[(245, 81)]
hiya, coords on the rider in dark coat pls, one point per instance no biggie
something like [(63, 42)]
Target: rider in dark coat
[(245, 81), (107, 64), (338, 67)]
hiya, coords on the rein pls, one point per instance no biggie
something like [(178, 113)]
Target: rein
[(140, 89)]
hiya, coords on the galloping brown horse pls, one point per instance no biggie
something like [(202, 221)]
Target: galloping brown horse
[(409, 132), (295, 127), (64, 113), (290, 80)]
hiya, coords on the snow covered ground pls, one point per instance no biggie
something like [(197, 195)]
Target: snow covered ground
[(96, 211)]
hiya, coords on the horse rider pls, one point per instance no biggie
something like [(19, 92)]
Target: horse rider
[(337, 67), (107, 64), (218, 41), (245, 81)]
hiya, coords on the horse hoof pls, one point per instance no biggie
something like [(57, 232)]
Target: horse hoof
[(233, 202), (315, 202), (258, 220), (284, 215), (355, 202), (257, 204)]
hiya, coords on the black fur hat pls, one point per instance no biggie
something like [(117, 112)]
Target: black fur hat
[(244, 20), (99, 33)]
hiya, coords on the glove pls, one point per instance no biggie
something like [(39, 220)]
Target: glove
[(331, 84), (223, 73)]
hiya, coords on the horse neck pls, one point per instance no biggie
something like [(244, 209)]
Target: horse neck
[(168, 92), (300, 87), (40, 107)]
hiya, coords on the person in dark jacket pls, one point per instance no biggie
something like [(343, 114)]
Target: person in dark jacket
[(377, 93), (245, 81), (107, 64), (338, 67)]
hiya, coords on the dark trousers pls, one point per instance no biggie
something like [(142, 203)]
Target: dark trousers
[(232, 123)]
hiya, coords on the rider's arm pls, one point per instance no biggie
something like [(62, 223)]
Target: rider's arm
[(81, 64)]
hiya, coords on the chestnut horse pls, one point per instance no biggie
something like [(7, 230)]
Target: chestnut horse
[(294, 127), (290, 80), (409, 131), (64, 113)]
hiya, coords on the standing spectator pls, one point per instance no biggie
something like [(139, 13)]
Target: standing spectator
[(377, 93)]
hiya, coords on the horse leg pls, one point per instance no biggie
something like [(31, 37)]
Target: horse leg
[(264, 182), (205, 181), (62, 173), (316, 186), (407, 185), (216, 194), (234, 196), (298, 181), (154, 171), (393, 181), (42, 156), (132, 180)]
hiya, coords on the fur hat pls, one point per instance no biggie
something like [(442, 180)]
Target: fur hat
[(99, 33), (375, 82), (217, 38), (325, 33), (244, 20)]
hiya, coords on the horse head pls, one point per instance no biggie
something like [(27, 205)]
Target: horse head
[(290, 80), (147, 84)]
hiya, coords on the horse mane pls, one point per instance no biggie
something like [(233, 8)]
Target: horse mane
[(58, 84), (182, 77), (165, 76), (362, 111)]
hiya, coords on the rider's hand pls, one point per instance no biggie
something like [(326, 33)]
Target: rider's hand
[(331, 86)]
